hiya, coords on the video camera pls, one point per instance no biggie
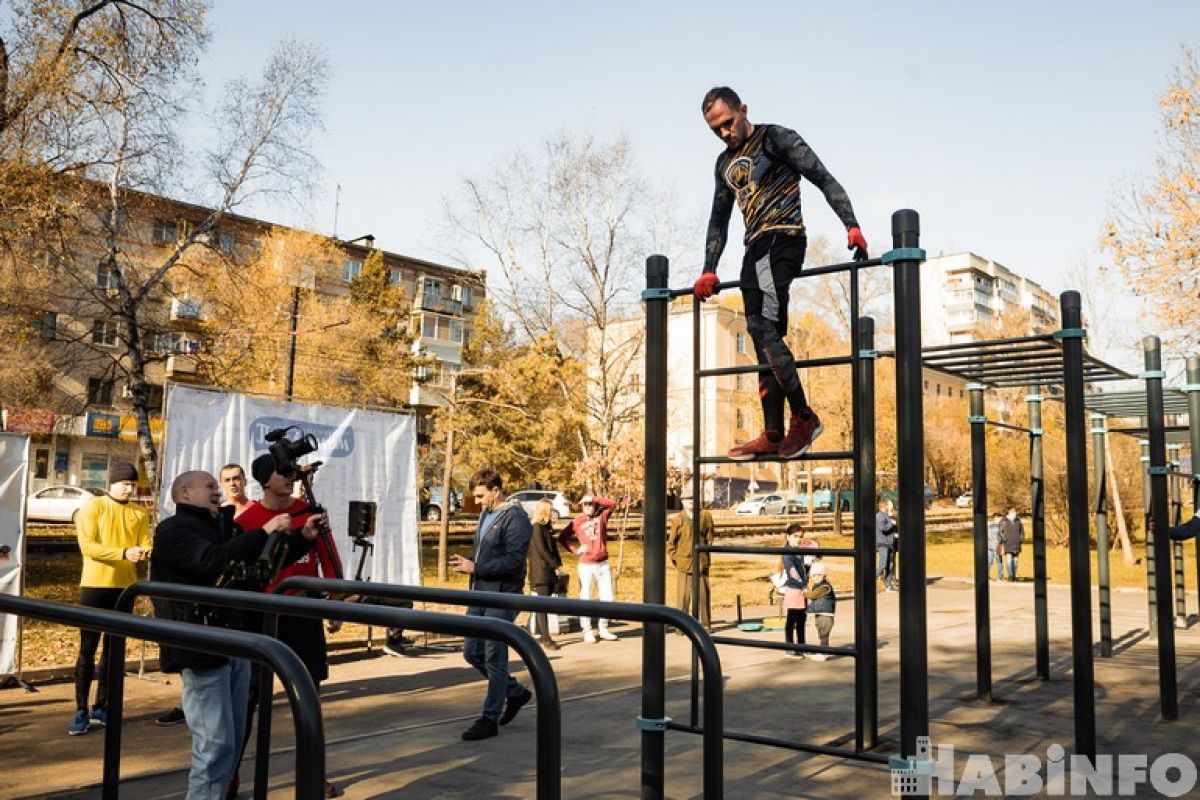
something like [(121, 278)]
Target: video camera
[(287, 452)]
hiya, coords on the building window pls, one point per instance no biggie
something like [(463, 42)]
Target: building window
[(431, 291), (739, 382), (48, 326), (41, 464), (465, 296), (395, 276), (226, 242), (456, 331), (104, 332), (466, 338), (741, 343), (739, 418), (105, 277), (429, 326), (99, 392), (165, 231), (938, 391), (351, 269), (927, 387)]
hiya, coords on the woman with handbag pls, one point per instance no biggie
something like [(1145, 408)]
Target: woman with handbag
[(544, 565), (795, 571)]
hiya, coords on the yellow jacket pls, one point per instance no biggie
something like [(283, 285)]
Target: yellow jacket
[(105, 528)]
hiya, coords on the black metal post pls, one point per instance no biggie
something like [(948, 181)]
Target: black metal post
[(1176, 514), (1167, 693), (983, 610), (697, 504), (293, 323), (1193, 397), (1101, 517), (654, 522), (910, 467), (1151, 567), (866, 634), (1037, 512), (1077, 525)]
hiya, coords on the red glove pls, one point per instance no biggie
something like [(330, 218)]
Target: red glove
[(857, 243), (706, 285)]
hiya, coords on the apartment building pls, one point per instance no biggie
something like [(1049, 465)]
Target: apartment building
[(87, 421)]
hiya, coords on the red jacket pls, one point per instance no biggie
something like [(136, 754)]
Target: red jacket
[(323, 553), (587, 536)]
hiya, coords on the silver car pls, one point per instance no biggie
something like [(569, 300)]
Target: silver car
[(57, 503), (762, 504), (528, 498)]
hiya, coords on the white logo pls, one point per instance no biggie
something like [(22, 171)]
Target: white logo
[(931, 770)]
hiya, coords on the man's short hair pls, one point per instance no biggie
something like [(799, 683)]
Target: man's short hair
[(487, 477), (724, 93), (185, 479), (795, 527), (231, 465)]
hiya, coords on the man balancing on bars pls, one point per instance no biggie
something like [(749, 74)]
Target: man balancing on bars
[(761, 168)]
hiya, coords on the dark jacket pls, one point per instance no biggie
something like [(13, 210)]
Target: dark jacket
[(194, 548), (1011, 534), (679, 541), (790, 563), (1186, 530), (500, 550), (885, 530), (822, 599), (544, 559)]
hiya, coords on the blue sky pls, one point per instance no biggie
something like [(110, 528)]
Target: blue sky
[(1009, 126)]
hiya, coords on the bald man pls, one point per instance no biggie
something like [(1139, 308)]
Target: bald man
[(194, 547)]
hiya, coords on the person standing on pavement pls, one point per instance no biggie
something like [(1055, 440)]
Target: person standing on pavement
[(545, 565), (885, 545), (587, 537), (822, 604), (1011, 534), (680, 551), (993, 546), (795, 570), (114, 535), (497, 564)]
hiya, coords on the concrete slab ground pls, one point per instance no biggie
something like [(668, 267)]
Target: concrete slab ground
[(392, 724)]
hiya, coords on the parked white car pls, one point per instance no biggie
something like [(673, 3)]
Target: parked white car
[(964, 500), (57, 503), (762, 504), (559, 507)]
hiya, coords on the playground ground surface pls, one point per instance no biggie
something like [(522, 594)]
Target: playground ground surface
[(392, 724)]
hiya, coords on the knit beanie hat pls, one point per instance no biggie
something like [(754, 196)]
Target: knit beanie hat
[(262, 468), (121, 471)]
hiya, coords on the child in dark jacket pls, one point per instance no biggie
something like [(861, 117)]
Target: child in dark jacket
[(822, 603)]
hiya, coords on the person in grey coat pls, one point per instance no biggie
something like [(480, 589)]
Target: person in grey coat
[(885, 544), (1011, 534), (993, 546)]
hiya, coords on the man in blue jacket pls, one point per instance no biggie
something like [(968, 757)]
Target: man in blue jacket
[(497, 564)]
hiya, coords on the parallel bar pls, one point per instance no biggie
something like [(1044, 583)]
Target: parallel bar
[(1006, 426), (822, 750), (866, 635), (807, 363), (809, 272), (1037, 510), (910, 467), (983, 612), (1077, 531), (945, 348), (1167, 690), (655, 525), (1100, 481), (824, 455)]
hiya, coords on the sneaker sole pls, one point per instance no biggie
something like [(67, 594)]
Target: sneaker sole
[(817, 431), (749, 456)]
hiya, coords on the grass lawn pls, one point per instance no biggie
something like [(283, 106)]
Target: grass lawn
[(948, 554)]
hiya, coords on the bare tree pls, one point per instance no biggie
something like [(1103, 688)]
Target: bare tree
[(568, 231)]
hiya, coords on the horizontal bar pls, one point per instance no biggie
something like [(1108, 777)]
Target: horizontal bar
[(1006, 426), (819, 749), (942, 348), (745, 549), (806, 272), (1145, 431), (849, 652), (824, 455), (828, 361), (997, 354)]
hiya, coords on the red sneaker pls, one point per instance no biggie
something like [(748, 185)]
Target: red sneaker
[(800, 435), (762, 446)]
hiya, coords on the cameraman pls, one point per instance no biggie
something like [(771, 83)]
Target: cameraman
[(194, 547), (303, 634)]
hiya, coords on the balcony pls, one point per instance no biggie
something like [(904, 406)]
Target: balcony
[(180, 365), (432, 301)]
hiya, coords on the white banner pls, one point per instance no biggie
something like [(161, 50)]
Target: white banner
[(14, 472), (368, 456)]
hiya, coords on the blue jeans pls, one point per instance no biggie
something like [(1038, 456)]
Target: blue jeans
[(1011, 559), (215, 702), (887, 566), (998, 560), (491, 659)]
